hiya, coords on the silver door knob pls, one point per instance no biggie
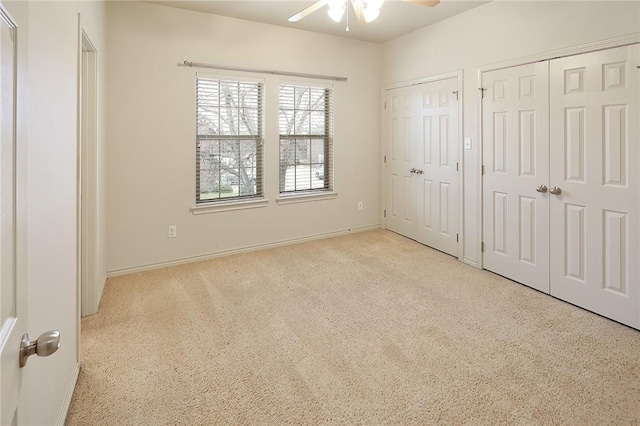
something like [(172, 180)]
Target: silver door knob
[(419, 172), (555, 190), (541, 188), (412, 170), (45, 345)]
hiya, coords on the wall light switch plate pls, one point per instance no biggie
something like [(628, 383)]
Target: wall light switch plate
[(467, 143)]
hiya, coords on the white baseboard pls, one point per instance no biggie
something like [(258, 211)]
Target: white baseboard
[(200, 258), (66, 403), (471, 262)]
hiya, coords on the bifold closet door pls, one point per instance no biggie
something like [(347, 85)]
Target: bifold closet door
[(515, 130), (423, 189), (595, 162)]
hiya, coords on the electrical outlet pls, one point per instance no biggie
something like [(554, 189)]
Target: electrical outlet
[(173, 230), (360, 206)]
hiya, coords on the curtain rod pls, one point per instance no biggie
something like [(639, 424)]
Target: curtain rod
[(259, 71)]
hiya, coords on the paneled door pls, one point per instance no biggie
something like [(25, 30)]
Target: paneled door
[(12, 289), (438, 192), (400, 124), (422, 138), (595, 165), (515, 130)]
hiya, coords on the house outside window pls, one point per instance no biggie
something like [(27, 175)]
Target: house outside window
[(305, 123)]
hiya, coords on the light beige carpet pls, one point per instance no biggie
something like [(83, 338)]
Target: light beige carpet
[(369, 328)]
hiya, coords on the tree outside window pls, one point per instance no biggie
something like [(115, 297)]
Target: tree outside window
[(305, 138), (229, 139)]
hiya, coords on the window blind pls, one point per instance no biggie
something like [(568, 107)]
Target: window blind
[(306, 138), (229, 139)]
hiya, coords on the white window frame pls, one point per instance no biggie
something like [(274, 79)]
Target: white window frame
[(327, 191), (234, 202)]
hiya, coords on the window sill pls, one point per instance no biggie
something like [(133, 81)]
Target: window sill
[(305, 197), (226, 206)]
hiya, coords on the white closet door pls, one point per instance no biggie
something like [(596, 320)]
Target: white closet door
[(595, 161), (438, 192), (400, 130), (516, 162)]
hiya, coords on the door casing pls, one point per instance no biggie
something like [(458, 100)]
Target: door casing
[(91, 289)]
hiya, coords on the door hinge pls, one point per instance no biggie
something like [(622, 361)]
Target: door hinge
[(482, 246), (385, 105), (455, 92), (457, 168), (385, 158), (483, 169), (385, 213), (482, 90), (457, 238)]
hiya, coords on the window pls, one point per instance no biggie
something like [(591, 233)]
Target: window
[(229, 133), (305, 138)]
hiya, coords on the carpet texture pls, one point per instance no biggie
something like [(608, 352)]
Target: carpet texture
[(369, 328)]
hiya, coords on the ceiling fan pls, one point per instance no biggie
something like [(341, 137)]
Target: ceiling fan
[(365, 10)]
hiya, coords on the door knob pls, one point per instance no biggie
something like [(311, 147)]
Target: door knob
[(45, 345), (541, 188), (555, 190), (419, 172), (412, 170)]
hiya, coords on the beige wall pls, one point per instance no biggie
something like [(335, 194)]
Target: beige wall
[(151, 114), (499, 31), (151, 121)]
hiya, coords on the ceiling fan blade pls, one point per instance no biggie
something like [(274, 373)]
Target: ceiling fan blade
[(308, 11), (357, 8), (428, 3)]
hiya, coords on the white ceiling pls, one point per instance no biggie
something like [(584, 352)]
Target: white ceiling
[(396, 17)]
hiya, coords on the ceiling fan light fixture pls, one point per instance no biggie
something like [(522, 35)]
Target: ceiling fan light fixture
[(336, 9), (371, 9), (365, 10), (370, 14), (336, 13), (376, 4)]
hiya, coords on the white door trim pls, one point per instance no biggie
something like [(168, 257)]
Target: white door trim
[(422, 80), (544, 56), (90, 289), (564, 52), (459, 75), (82, 42)]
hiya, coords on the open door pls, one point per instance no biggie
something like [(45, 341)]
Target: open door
[(13, 301), (15, 344)]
